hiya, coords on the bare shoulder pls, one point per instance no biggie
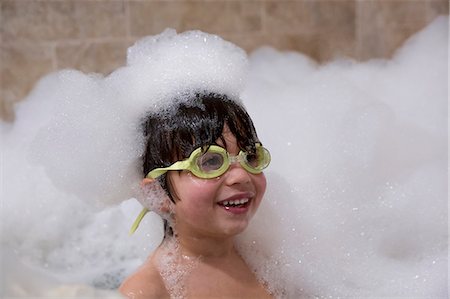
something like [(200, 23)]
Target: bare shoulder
[(145, 283)]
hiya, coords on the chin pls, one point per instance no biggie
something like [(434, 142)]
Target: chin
[(235, 230)]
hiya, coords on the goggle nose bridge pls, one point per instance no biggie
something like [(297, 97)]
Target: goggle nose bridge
[(239, 158)]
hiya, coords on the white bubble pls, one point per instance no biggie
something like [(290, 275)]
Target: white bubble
[(366, 174), (356, 199)]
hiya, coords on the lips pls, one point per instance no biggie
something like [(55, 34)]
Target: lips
[(237, 204), (234, 203)]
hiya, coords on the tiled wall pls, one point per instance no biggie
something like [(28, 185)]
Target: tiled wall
[(40, 36)]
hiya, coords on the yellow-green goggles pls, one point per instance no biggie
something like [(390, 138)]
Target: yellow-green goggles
[(216, 161)]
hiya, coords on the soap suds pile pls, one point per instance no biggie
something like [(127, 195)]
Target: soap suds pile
[(356, 201), (358, 181)]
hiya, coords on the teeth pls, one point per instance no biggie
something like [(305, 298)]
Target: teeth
[(235, 202)]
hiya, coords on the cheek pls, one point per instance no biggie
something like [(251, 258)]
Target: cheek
[(261, 183), (194, 190), (195, 203)]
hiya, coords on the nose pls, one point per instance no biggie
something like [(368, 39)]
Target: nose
[(236, 174)]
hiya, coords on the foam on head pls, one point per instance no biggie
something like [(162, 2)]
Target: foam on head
[(93, 138)]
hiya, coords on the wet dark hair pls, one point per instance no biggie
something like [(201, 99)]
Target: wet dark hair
[(173, 133)]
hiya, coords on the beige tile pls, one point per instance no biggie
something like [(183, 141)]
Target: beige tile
[(6, 107), (369, 30), (393, 12), (101, 18), (21, 67), (288, 16), (207, 16), (335, 16), (38, 20), (436, 8), (383, 26), (396, 38), (305, 43), (330, 47), (246, 41), (98, 57), (211, 16), (246, 16), (335, 25), (405, 12), (58, 20), (321, 29), (152, 18)]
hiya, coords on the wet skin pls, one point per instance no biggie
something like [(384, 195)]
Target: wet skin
[(199, 210), (205, 230)]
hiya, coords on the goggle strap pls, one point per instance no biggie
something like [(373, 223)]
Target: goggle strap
[(180, 165), (138, 221)]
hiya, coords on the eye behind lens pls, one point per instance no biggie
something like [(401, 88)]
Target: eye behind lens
[(258, 160), (209, 162)]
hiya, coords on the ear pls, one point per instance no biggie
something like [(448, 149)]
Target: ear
[(146, 181), (166, 203), (165, 207)]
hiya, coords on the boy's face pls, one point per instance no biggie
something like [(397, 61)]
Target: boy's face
[(201, 207)]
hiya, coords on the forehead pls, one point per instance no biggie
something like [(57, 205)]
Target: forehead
[(228, 140)]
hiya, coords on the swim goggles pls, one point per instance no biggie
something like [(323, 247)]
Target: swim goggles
[(216, 161), (211, 164)]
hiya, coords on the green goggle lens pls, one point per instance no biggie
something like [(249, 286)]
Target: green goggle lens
[(216, 161)]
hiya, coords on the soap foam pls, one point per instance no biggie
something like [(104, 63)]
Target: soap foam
[(357, 185), (175, 268), (94, 132), (356, 198)]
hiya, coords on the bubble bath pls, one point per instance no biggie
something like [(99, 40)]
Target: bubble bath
[(356, 204)]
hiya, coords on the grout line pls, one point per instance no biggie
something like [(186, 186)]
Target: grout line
[(358, 31), (54, 58), (262, 13), (126, 4), (68, 41)]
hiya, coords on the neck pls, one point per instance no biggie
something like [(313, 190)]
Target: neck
[(205, 246)]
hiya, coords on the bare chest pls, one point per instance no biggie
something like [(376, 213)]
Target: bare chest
[(223, 280)]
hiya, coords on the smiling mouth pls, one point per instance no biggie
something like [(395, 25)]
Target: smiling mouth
[(236, 203)]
